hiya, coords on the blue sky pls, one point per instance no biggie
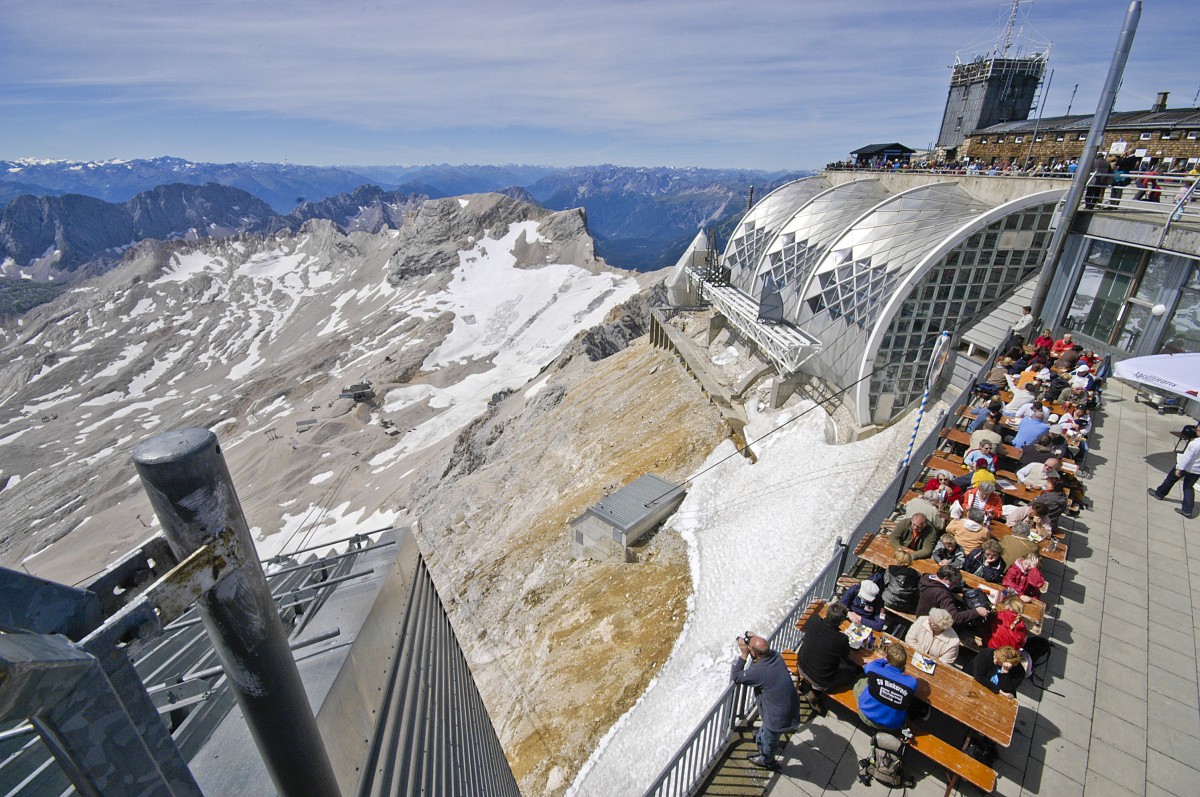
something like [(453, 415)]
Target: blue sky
[(771, 85)]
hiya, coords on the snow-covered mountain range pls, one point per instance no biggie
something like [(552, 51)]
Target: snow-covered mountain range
[(641, 217)]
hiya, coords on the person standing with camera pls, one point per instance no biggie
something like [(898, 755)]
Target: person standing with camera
[(757, 666), (1187, 468)]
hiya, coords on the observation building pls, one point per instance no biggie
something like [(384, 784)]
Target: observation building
[(845, 280)]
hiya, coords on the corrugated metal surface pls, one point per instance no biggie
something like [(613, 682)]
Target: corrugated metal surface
[(26, 766), (404, 716), (636, 502)]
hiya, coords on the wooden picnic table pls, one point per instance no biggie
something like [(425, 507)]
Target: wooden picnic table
[(879, 551), (1055, 406), (949, 690), (1053, 547), (941, 460)]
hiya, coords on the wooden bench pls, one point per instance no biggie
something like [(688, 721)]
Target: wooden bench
[(957, 764)]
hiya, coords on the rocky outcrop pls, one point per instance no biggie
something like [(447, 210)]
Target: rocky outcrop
[(367, 208), (56, 236), (627, 322), (431, 238), (206, 211), (63, 232)]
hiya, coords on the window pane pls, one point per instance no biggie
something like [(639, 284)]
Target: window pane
[(1100, 252), (1136, 319), (1097, 302), (1157, 271), (1183, 330)]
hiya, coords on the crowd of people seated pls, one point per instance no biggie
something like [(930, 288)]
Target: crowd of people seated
[(1054, 387), (1022, 467), (966, 524)]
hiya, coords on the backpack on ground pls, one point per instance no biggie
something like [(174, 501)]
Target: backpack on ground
[(886, 763), (1036, 653)]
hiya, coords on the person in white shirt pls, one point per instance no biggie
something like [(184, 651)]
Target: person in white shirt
[(1022, 397), (934, 636), (1187, 468), (1035, 474), (1023, 324)]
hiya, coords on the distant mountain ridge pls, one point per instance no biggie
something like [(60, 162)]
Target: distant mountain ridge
[(641, 218), (56, 237), (280, 185)]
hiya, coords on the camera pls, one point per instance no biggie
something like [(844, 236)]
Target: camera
[(746, 638)]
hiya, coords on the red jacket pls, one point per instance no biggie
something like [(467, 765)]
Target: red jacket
[(1024, 582), (1002, 631), (954, 491)]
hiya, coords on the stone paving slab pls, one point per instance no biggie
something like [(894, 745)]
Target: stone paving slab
[(1120, 713)]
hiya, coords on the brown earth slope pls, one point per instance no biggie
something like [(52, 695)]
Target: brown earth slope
[(562, 648)]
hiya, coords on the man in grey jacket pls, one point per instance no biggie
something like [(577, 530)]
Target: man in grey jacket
[(778, 701)]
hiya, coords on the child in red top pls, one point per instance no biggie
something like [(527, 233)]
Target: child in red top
[(1025, 579), (1006, 626)]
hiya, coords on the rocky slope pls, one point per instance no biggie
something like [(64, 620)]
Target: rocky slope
[(56, 237), (524, 390)]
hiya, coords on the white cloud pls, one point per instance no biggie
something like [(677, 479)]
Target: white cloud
[(705, 76)]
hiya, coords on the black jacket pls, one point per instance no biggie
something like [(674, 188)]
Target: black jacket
[(900, 590), (822, 650), (934, 593)]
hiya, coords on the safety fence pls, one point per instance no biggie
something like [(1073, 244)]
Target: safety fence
[(1175, 197), (735, 710)]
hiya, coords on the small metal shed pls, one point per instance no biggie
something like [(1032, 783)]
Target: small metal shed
[(607, 529)]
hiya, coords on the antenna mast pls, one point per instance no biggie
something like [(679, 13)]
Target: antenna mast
[(1008, 29)]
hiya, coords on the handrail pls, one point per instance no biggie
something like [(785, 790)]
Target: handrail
[(1174, 195), (702, 750)]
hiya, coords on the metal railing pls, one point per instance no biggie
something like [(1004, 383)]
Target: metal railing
[(970, 170), (1174, 196), (734, 709)]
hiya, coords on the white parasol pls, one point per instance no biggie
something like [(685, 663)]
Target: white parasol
[(1174, 373)]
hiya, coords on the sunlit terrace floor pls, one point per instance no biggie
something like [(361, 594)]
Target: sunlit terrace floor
[(1120, 713)]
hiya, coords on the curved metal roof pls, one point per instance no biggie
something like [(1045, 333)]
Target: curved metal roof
[(761, 222), (844, 259)]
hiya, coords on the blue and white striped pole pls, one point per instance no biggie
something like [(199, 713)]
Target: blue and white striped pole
[(941, 352)]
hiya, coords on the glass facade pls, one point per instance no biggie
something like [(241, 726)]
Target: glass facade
[(1108, 273), (874, 274), (1117, 290), (976, 273), (1183, 327), (760, 225)]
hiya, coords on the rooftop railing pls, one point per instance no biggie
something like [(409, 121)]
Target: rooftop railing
[(1174, 197)]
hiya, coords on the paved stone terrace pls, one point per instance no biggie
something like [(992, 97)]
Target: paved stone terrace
[(1120, 714)]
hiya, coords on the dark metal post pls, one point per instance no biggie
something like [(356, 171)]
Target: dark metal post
[(1108, 96), (843, 552), (192, 493)]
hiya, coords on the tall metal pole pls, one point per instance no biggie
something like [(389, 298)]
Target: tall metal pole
[(191, 491), (1038, 123), (1082, 172)]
